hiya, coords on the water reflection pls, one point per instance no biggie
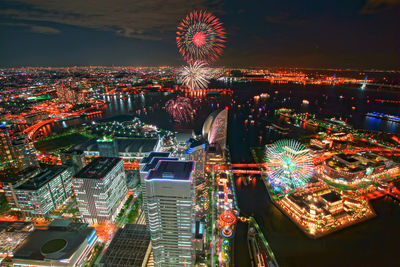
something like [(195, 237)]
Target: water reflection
[(348, 247)]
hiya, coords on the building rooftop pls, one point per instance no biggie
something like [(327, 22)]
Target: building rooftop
[(194, 144), (347, 157), (14, 175), (124, 145), (153, 154), (128, 247), (7, 226), (184, 135), (131, 145), (331, 197), (60, 224), (338, 165), (42, 178), (153, 163), (169, 169), (98, 168), (53, 244)]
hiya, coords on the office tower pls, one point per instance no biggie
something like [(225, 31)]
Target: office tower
[(143, 172), (215, 128), (100, 189), (5, 146), (44, 192), (182, 139), (197, 153), (16, 150), (8, 183), (74, 158), (169, 191), (24, 153)]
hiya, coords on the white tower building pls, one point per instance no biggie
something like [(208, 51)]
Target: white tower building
[(170, 197)]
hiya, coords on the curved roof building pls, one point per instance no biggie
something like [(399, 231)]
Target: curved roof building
[(215, 127), (62, 244)]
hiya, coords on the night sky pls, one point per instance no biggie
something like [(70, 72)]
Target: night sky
[(283, 33)]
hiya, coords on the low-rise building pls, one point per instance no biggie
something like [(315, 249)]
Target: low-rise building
[(12, 234), (130, 247), (63, 243)]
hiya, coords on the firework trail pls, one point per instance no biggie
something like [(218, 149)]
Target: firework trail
[(180, 109), (196, 75), (200, 36)]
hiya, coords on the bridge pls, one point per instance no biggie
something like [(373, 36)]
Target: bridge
[(30, 131), (241, 168), (34, 128)]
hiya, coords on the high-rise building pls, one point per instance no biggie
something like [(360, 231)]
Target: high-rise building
[(197, 153), (44, 192), (100, 189), (10, 181), (74, 158), (24, 153), (16, 150), (72, 92), (215, 128), (170, 197), (5, 147), (144, 167)]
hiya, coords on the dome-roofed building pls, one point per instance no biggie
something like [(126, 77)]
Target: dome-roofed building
[(63, 243)]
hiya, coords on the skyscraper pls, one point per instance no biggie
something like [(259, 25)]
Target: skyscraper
[(170, 197), (74, 158), (5, 146), (149, 166), (100, 189), (144, 169), (10, 182), (24, 153), (197, 152), (215, 128), (16, 150)]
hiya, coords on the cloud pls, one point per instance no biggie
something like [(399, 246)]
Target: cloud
[(374, 6), (35, 28), (44, 29), (143, 19)]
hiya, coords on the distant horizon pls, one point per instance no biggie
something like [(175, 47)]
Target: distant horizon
[(211, 66)]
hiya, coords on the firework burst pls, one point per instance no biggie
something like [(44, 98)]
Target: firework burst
[(180, 109), (289, 163), (200, 36), (195, 75)]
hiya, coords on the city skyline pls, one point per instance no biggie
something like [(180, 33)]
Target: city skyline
[(360, 34), (211, 157)]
